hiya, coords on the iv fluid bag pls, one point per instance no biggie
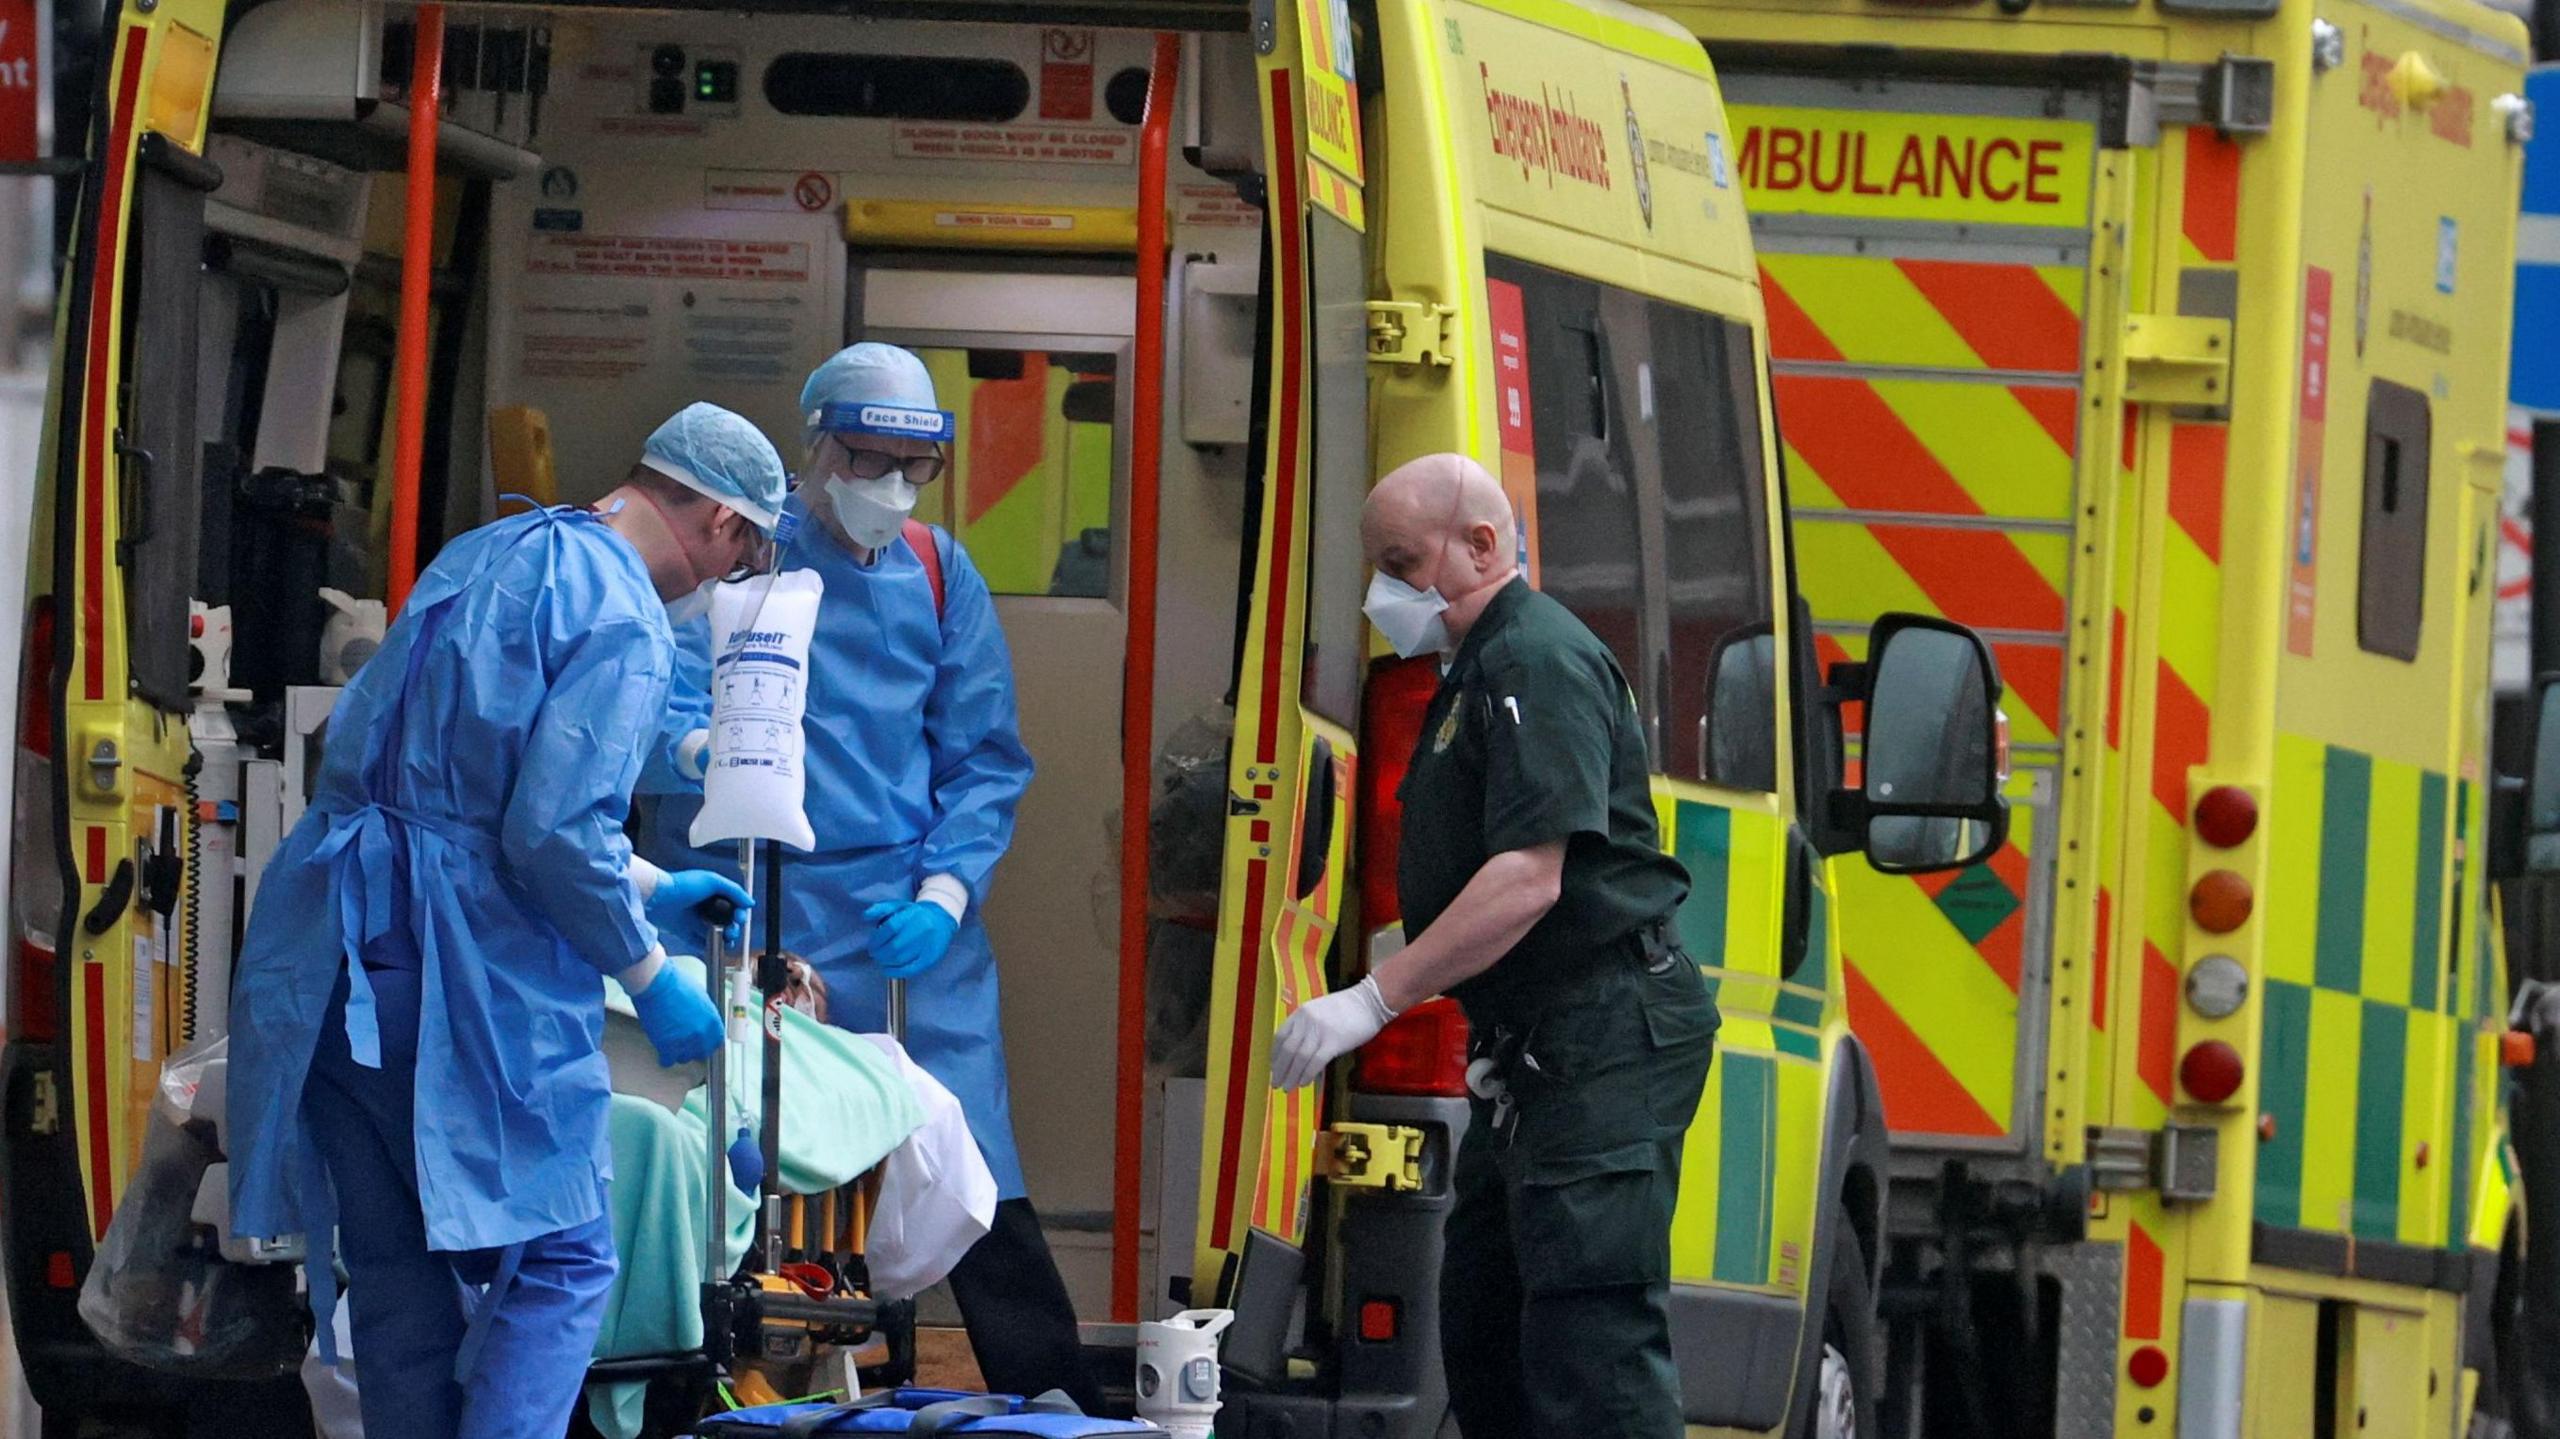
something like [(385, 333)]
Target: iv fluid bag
[(757, 783)]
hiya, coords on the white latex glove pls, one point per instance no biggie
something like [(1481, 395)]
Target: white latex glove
[(1324, 1031)]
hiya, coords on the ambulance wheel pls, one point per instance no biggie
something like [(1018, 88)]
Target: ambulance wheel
[(1848, 1373)]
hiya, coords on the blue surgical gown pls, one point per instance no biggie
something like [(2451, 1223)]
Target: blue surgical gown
[(915, 764), (467, 823)]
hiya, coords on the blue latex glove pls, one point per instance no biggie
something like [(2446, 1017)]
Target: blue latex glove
[(676, 908), (682, 1023), (746, 1161), (912, 936)]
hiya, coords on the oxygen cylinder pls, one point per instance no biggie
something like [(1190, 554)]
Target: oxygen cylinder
[(1178, 1371)]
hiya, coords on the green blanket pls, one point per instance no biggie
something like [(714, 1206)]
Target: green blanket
[(844, 1107)]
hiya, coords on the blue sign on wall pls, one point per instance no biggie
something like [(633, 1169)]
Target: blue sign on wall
[(2533, 375)]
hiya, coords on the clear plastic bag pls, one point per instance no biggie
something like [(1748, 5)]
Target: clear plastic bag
[(159, 1292)]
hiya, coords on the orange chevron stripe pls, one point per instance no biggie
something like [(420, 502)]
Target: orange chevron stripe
[(2006, 314), (2198, 458), (2032, 674), (2212, 212), (1792, 333), (2157, 1038), (2180, 727), (1007, 434), (2057, 409), (1920, 1096), (2115, 681), (2103, 939), (1872, 461), (2143, 1273)]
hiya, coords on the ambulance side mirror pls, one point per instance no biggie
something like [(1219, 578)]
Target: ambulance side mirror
[(1933, 751), (2542, 785)]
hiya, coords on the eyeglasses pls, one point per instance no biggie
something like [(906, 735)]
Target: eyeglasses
[(872, 464), (755, 560)]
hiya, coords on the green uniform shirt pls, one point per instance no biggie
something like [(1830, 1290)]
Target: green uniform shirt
[(1533, 738)]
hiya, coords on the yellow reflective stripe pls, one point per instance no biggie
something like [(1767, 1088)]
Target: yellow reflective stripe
[(1755, 881), (1796, 1173), (2426, 1091), (1847, 576), (2329, 1124), (1870, 311), (1989, 443), (1937, 983), (2390, 900), (2190, 612), (2070, 285), (1805, 486), (1693, 1232), (2292, 901)]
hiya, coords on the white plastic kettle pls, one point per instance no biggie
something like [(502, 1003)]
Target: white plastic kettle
[(1178, 1371)]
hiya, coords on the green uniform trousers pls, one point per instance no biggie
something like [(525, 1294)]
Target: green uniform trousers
[(1556, 1281)]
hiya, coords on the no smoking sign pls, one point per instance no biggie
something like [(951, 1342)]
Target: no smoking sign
[(813, 191), (1066, 74)]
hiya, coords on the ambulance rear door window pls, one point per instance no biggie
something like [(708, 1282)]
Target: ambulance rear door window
[(2392, 550), (1590, 546)]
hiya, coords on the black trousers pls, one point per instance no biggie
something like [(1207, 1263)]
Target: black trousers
[(1022, 1327), (1556, 1278)]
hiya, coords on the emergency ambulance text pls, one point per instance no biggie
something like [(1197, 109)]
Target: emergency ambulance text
[(1545, 134)]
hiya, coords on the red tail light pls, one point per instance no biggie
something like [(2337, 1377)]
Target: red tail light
[(1391, 713), (35, 681), (1424, 1052)]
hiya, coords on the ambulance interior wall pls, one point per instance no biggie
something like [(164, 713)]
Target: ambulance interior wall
[(657, 259)]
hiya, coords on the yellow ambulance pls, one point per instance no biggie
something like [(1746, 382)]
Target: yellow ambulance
[(1189, 291), (2164, 342)]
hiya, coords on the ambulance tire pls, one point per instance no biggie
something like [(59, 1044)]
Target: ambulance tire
[(1851, 1372)]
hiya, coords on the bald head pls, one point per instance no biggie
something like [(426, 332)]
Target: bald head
[(1442, 523), (1424, 506)]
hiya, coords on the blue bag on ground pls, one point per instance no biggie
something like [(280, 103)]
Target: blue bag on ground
[(926, 1414)]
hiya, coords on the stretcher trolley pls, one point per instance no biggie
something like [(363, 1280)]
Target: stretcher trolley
[(802, 1292)]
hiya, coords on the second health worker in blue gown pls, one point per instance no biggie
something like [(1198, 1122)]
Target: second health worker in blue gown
[(915, 765)]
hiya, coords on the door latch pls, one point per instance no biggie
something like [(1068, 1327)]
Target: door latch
[(1371, 1156), (2177, 360), (104, 761), (1410, 332)]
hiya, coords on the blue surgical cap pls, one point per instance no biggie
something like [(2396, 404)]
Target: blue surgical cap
[(874, 389), (706, 448)]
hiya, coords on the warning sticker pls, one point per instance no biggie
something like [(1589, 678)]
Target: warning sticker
[(2302, 598), (1032, 144), (1214, 207), (669, 257), (790, 191), (1001, 220), (603, 341), (1066, 74), (1509, 323)]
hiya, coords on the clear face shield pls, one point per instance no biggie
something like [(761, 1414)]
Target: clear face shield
[(873, 460)]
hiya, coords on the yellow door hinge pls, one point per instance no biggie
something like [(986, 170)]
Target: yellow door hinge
[(2177, 360), (1409, 332), (1371, 1156)]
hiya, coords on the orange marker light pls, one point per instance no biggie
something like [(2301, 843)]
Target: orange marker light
[(2220, 902), (2211, 1071), (2516, 1049), (2266, 1128)]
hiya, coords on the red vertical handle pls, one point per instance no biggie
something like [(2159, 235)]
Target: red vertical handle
[(417, 272), (1138, 682)]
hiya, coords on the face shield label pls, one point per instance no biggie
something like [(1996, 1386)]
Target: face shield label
[(893, 420)]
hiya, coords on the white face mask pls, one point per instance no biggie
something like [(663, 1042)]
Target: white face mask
[(686, 608), (1409, 618), (871, 512)]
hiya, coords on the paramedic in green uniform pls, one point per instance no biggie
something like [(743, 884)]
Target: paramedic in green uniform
[(1535, 891)]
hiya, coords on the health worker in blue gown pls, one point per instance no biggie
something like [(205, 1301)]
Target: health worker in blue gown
[(915, 764), (418, 1012)]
